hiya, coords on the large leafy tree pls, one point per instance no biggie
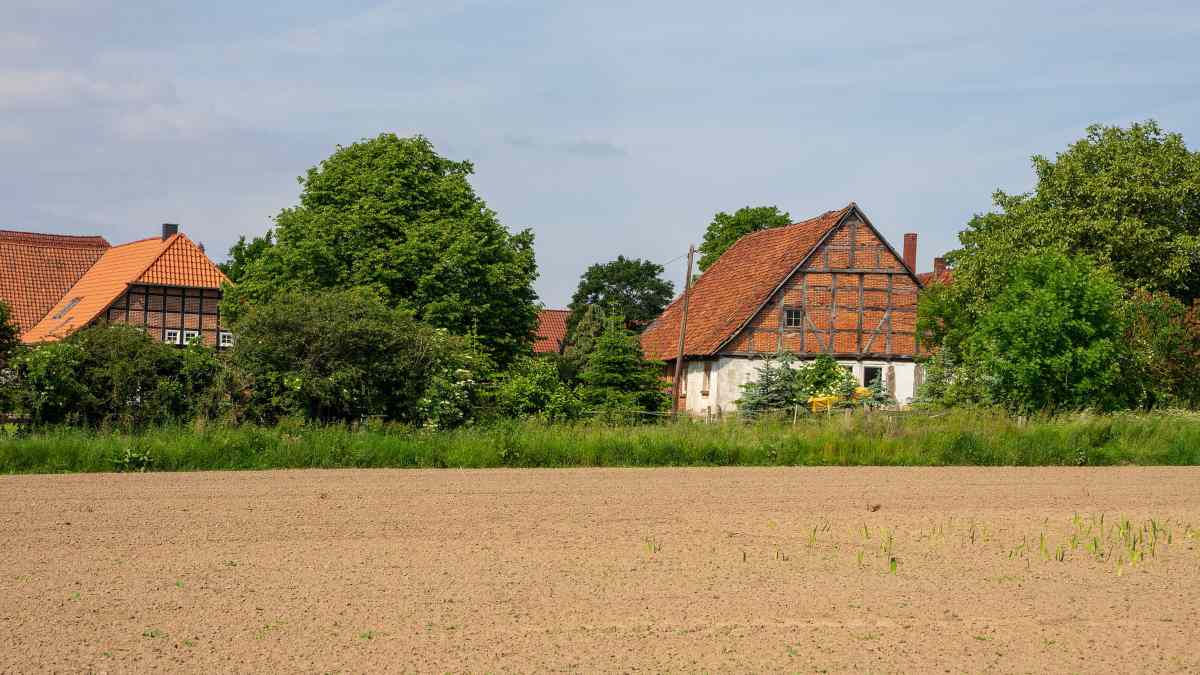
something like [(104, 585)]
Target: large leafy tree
[(243, 253), (1050, 340), (392, 215), (725, 229), (1127, 197), (625, 287)]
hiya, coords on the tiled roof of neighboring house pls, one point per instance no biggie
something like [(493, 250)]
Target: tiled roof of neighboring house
[(175, 261), (728, 294), (943, 277), (551, 331), (36, 269)]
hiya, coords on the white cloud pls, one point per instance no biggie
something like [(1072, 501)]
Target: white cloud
[(24, 89)]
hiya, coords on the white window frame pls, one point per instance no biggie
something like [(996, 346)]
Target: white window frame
[(225, 339), (172, 339), (189, 334)]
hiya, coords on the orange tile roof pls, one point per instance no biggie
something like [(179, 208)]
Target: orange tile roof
[(551, 331), (175, 261), (182, 263), (36, 269), (728, 294)]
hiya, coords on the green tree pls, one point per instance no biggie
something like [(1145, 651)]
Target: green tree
[(725, 229), (345, 355), (392, 215), (617, 379), (1051, 339), (581, 340), (772, 388), (1128, 198), (626, 287), (243, 253)]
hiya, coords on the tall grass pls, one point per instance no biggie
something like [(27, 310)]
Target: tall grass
[(913, 439)]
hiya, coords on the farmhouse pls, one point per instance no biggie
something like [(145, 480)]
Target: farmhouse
[(828, 285), (56, 284)]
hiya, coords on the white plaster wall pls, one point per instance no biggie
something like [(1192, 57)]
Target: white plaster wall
[(729, 373)]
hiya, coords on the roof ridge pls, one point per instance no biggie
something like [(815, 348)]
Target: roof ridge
[(47, 239)]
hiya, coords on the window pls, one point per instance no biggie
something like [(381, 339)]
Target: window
[(189, 335), (66, 308), (226, 339), (793, 318), (871, 375), (171, 336), (707, 378)]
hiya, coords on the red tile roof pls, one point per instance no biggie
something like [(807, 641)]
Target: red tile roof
[(551, 331), (176, 261), (927, 278), (728, 294), (36, 269)]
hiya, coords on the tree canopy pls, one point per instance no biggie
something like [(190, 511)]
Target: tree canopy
[(391, 215), (1128, 198), (626, 287), (725, 229)]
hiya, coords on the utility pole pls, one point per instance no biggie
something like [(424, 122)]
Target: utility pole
[(687, 292)]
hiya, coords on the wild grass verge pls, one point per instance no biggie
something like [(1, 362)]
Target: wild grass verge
[(909, 439)]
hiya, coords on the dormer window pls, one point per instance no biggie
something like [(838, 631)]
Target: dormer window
[(66, 308)]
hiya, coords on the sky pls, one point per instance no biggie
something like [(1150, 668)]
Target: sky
[(606, 128)]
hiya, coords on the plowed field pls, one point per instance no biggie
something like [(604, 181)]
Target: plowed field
[(729, 569)]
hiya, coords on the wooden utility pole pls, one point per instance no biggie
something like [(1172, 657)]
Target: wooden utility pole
[(687, 291)]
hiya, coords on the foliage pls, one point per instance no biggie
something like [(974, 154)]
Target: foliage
[(10, 335), (1161, 351), (1051, 339), (530, 388), (725, 229), (773, 387), (392, 215), (1128, 198), (823, 376), (47, 388), (617, 379), (626, 287), (460, 369), (243, 253), (580, 342), (784, 382), (955, 437), (346, 355), (114, 375)]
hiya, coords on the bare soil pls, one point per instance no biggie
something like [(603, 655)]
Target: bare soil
[(729, 569)]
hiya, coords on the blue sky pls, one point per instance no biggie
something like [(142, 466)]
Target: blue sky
[(607, 130)]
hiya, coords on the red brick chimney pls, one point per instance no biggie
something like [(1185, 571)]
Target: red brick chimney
[(910, 250), (939, 267)]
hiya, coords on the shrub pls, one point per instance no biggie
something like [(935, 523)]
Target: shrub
[(531, 388), (114, 375), (344, 356)]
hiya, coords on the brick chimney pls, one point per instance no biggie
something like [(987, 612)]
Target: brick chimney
[(939, 267), (173, 228), (910, 250)]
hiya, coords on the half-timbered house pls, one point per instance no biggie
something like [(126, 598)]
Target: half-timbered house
[(56, 285), (829, 285)]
